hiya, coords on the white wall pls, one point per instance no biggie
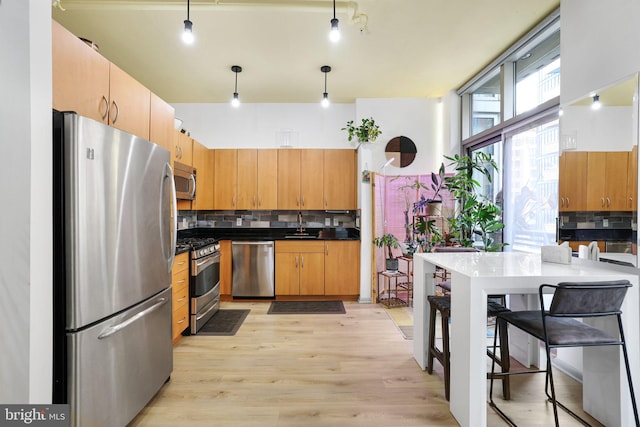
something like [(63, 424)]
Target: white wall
[(256, 125), (25, 220), (607, 129), (599, 44)]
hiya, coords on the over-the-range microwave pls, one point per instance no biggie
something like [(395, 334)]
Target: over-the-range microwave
[(185, 179)]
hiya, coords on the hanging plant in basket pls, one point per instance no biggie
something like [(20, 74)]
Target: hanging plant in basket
[(367, 132)]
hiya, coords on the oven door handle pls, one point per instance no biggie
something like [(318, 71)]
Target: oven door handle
[(201, 264)]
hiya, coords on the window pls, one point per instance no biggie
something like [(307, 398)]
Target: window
[(485, 105)]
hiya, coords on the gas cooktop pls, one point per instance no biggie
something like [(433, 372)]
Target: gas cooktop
[(196, 242)]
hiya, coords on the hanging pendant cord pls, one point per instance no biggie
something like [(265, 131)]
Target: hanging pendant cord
[(188, 10)]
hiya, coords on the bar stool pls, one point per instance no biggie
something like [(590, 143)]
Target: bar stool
[(442, 304)]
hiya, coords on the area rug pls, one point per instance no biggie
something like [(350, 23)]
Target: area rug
[(306, 307), (224, 322)]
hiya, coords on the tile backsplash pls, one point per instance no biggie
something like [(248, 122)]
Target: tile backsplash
[(266, 219)]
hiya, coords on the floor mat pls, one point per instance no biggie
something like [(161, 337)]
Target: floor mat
[(224, 322), (306, 307)]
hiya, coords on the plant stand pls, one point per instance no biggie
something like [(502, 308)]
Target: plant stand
[(390, 285)]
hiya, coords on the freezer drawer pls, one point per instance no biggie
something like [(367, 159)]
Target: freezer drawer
[(253, 269), (116, 366)]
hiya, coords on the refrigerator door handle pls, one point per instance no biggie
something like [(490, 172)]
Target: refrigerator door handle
[(120, 326), (168, 174)]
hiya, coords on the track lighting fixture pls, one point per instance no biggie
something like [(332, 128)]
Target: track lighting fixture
[(334, 34), (236, 101), (187, 35), (325, 96), (596, 102)]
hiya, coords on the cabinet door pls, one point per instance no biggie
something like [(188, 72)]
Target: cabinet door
[(289, 179), (573, 181), (161, 119), (129, 103), (342, 268), (287, 273), (340, 179), (225, 178), (183, 150), (80, 76), (632, 180), (616, 180), (311, 273), (268, 179), (247, 179), (312, 179), (203, 161), (597, 163)]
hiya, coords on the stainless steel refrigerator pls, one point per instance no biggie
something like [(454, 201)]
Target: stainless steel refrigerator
[(114, 243)]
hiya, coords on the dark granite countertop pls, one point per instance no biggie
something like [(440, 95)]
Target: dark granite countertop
[(333, 233)]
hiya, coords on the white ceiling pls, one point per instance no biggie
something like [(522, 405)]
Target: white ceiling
[(388, 49)]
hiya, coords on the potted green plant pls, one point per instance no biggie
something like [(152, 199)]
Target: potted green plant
[(475, 214), (388, 241), (368, 131)]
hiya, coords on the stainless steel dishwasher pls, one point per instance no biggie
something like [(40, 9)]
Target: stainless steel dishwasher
[(253, 269)]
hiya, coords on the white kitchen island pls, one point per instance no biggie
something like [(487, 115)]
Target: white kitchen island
[(473, 277)]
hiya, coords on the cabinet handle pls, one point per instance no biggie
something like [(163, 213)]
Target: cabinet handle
[(106, 107), (181, 281), (302, 200), (630, 202), (233, 201), (326, 202), (568, 202), (115, 119), (296, 262), (180, 153), (608, 202), (297, 201), (182, 320), (602, 202), (302, 262), (326, 249), (182, 299)]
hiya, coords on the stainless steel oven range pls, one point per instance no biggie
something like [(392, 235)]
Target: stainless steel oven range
[(204, 284)]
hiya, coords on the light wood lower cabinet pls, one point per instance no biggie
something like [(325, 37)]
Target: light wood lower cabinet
[(318, 268), (226, 268), (180, 295), (342, 268), (299, 268)]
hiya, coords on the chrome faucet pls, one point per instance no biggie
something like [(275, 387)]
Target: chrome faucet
[(300, 228)]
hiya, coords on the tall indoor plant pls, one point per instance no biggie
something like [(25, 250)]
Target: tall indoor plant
[(474, 212)]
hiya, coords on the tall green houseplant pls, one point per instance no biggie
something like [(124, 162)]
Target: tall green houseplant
[(474, 212)]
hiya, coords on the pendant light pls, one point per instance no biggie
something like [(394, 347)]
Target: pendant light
[(334, 34), (236, 101), (596, 105), (187, 35), (325, 96)]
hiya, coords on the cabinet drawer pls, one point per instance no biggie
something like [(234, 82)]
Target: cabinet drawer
[(180, 278), (180, 320), (180, 296), (180, 264), (286, 246)]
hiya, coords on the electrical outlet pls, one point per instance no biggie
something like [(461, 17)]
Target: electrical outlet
[(605, 222), (336, 222), (327, 222), (238, 221)]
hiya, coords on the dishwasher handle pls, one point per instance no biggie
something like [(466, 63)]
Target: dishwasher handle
[(270, 243)]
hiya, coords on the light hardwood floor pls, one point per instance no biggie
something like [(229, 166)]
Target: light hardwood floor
[(345, 370)]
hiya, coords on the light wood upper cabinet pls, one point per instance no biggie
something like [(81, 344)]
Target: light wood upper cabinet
[(340, 179), (226, 179), (607, 181), (300, 179), (80, 76), (573, 181), (203, 162), (87, 83), (632, 180), (183, 148), (129, 103), (342, 268), (268, 179), (247, 179), (161, 119)]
